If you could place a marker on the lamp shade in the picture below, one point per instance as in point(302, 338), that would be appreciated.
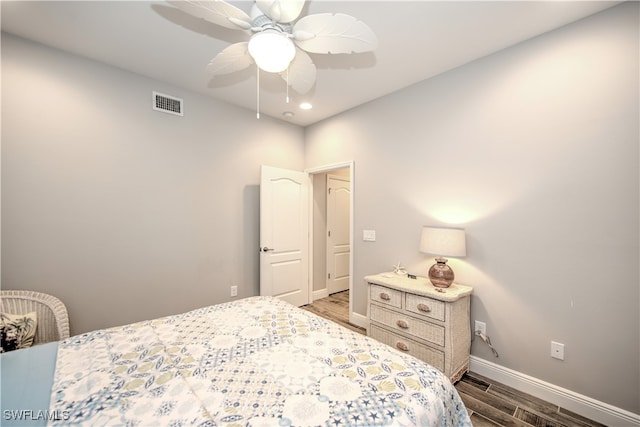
point(272, 50)
point(443, 241)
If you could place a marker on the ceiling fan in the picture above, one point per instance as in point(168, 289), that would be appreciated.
point(280, 41)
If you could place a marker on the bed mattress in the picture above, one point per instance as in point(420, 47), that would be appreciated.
point(258, 361)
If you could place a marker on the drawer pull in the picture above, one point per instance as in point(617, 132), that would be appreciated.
point(402, 324)
point(385, 296)
point(424, 308)
point(402, 346)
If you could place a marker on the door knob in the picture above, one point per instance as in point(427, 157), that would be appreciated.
point(267, 249)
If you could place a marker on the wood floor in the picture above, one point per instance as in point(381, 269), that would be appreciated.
point(489, 403)
point(336, 308)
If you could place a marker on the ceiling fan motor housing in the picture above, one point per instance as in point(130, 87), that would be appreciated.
point(263, 22)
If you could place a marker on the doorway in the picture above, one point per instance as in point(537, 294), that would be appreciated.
point(332, 257)
point(286, 279)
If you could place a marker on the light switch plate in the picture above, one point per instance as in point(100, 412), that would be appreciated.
point(369, 235)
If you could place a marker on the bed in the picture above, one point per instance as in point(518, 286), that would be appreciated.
point(257, 361)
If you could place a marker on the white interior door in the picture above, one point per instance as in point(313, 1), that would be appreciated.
point(338, 233)
point(284, 234)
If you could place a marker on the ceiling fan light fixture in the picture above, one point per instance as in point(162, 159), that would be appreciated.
point(272, 50)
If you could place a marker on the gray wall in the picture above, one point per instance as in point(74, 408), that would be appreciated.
point(123, 212)
point(319, 231)
point(534, 151)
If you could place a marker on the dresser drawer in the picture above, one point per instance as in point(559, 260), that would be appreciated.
point(384, 295)
point(425, 306)
point(433, 357)
point(408, 325)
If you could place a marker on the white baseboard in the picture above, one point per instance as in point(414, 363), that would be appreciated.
point(575, 402)
point(359, 320)
point(322, 293)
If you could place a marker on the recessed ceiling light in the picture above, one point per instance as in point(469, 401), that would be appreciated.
point(306, 106)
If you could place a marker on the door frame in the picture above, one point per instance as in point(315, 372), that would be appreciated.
point(322, 170)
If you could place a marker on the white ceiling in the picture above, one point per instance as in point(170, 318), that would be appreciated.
point(417, 40)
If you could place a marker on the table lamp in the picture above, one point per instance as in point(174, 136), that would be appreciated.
point(442, 242)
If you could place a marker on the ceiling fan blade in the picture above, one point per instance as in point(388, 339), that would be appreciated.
point(302, 73)
point(234, 58)
point(215, 11)
point(333, 33)
point(282, 11)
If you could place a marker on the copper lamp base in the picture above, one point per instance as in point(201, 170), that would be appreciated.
point(440, 274)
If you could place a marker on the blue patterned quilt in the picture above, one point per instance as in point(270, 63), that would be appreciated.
point(253, 362)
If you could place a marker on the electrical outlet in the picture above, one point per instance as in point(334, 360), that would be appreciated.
point(480, 327)
point(234, 291)
point(557, 350)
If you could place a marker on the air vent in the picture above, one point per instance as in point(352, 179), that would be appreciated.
point(167, 104)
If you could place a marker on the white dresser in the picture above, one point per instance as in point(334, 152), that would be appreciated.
point(412, 316)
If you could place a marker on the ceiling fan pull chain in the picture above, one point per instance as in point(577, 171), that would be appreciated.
point(287, 85)
point(257, 92)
